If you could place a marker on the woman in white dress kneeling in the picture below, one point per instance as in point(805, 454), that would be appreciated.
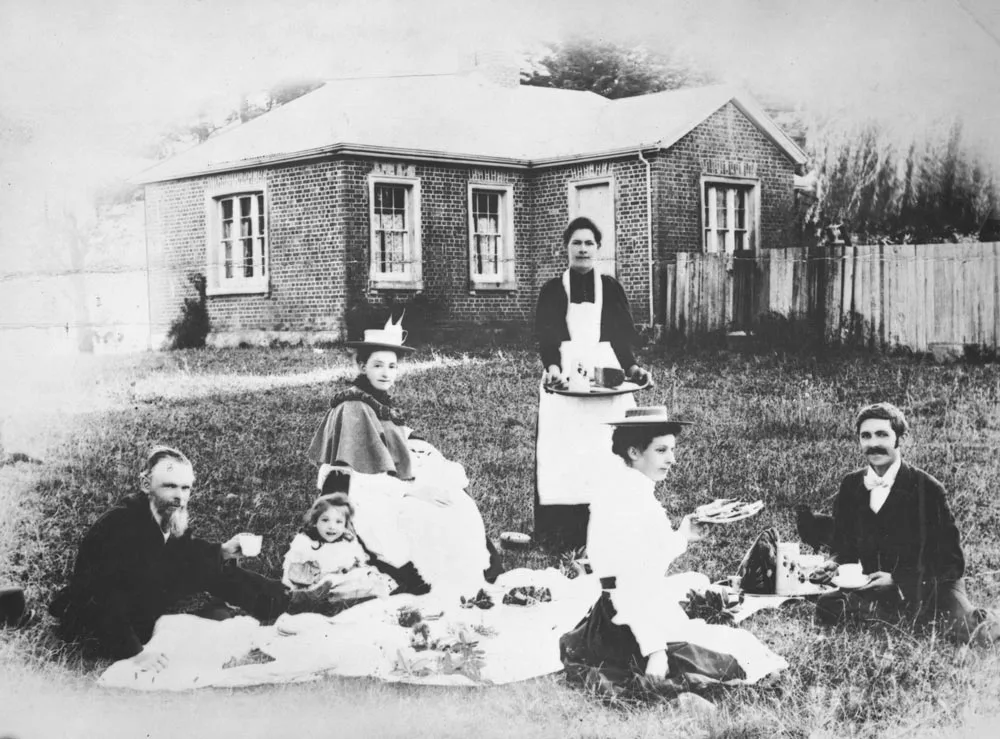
point(412, 513)
point(638, 625)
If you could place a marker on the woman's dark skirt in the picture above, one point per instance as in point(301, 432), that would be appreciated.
point(601, 653)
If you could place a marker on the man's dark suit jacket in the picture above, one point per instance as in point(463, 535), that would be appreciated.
point(913, 536)
point(126, 577)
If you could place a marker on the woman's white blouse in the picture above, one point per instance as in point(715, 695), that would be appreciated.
point(630, 538)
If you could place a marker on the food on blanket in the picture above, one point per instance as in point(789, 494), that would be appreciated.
point(481, 600)
point(420, 638)
point(527, 596)
point(253, 657)
point(759, 567)
point(727, 510)
point(484, 630)
point(304, 573)
point(407, 616)
point(456, 653)
point(717, 605)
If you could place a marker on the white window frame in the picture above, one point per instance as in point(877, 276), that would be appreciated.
point(709, 227)
point(505, 279)
point(216, 281)
point(411, 278)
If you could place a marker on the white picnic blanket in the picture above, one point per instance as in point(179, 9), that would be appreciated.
point(470, 646)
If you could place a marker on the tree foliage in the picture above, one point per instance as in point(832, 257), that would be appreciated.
point(934, 188)
point(611, 70)
point(190, 133)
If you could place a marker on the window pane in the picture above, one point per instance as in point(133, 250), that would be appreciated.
point(245, 206)
point(228, 251)
point(487, 232)
point(389, 221)
point(248, 257)
point(227, 208)
point(720, 209)
point(740, 241)
point(260, 246)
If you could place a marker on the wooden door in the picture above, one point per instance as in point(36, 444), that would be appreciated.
point(595, 199)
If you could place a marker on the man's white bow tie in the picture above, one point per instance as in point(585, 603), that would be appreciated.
point(879, 487)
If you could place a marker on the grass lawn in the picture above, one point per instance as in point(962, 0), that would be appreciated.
point(773, 427)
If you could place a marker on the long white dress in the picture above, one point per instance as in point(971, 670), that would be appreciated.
point(398, 523)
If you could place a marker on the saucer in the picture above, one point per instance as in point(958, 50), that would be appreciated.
point(845, 583)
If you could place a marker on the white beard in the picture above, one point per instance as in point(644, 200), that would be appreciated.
point(177, 524)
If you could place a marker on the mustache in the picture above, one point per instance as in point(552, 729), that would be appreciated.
point(876, 450)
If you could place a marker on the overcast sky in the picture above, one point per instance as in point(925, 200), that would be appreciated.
point(84, 81)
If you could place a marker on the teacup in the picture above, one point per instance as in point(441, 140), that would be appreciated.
point(851, 572)
point(609, 377)
point(578, 383)
point(250, 544)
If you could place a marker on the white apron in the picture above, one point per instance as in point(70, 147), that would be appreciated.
point(573, 439)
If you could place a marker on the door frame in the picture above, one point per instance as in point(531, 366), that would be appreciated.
point(572, 186)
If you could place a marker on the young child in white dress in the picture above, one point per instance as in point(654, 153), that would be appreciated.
point(328, 550)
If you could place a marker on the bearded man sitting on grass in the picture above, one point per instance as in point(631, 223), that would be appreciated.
point(894, 519)
point(139, 560)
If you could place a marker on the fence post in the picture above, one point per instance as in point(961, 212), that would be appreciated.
point(682, 292)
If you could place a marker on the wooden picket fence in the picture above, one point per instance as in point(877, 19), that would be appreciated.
point(887, 296)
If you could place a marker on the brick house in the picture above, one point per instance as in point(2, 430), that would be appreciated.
point(456, 188)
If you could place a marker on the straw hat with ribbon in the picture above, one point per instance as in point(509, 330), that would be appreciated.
point(653, 415)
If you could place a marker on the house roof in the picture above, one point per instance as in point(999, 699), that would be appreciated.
point(462, 118)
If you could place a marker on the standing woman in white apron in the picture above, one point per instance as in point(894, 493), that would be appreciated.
point(582, 320)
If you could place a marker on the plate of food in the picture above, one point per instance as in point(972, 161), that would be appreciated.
point(598, 391)
point(727, 510)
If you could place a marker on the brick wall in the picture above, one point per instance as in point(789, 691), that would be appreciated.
point(444, 239)
point(319, 230)
point(306, 250)
point(551, 214)
point(727, 135)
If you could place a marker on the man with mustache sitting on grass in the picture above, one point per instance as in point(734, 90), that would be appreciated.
point(139, 559)
point(894, 519)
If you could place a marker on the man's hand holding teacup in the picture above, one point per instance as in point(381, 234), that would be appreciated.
point(879, 581)
point(232, 549)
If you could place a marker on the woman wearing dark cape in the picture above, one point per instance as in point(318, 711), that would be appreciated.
point(411, 509)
